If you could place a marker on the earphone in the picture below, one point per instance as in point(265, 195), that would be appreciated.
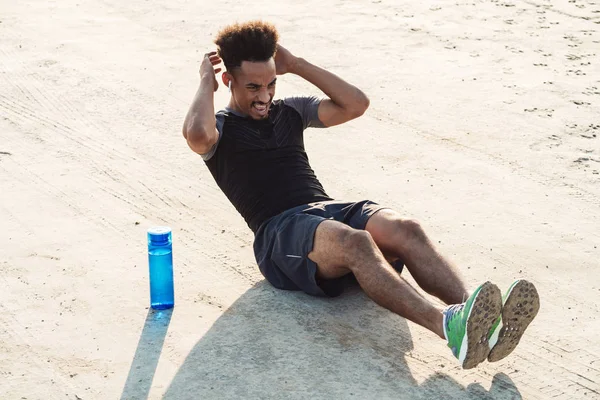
point(229, 86)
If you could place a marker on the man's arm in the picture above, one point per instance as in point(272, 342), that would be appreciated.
point(345, 101)
point(200, 125)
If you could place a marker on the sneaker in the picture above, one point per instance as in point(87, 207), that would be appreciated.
point(467, 325)
point(520, 305)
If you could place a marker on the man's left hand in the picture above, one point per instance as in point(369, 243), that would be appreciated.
point(284, 60)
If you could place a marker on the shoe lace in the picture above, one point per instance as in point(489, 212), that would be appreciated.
point(451, 311)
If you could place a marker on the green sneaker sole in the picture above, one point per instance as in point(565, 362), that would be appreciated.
point(486, 308)
point(520, 308)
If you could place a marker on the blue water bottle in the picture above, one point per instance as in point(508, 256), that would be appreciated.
point(160, 259)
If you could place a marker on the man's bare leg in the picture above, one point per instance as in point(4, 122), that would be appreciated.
point(405, 239)
point(339, 250)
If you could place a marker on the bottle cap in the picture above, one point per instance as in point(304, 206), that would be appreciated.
point(159, 235)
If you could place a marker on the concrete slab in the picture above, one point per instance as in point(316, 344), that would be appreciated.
point(484, 125)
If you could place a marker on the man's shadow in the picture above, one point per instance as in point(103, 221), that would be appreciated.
point(272, 345)
point(441, 386)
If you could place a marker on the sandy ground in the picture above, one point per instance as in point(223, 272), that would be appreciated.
point(484, 125)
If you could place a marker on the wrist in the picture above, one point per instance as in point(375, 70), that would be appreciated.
point(296, 66)
point(207, 83)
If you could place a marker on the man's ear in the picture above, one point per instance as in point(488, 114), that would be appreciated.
point(226, 77)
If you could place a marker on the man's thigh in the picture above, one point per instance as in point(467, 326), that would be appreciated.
point(296, 252)
point(330, 249)
point(338, 247)
point(309, 250)
point(380, 221)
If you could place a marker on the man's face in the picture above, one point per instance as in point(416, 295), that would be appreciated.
point(253, 87)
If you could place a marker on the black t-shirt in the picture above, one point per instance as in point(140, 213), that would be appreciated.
point(261, 165)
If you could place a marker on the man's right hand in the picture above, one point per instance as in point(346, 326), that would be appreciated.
point(207, 68)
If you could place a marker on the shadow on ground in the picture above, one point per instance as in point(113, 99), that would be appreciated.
point(147, 354)
point(274, 345)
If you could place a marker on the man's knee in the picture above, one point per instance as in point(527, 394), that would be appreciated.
point(407, 231)
point(360, 250)
point(338, 239)
point(356, 241)
point(338, 248)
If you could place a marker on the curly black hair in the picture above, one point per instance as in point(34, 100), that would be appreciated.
point(248, 41)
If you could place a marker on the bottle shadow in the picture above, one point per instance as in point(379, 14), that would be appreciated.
point(147, 354)
point(271, 345)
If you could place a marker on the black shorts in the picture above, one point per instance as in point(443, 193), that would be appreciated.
point(283, 242)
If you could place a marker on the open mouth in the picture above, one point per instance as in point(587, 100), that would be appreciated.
point(261, 108)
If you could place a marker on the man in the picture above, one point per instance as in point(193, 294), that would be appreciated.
point(304, 240)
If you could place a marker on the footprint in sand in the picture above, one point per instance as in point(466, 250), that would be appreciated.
point(541, 112)
point(549, 142)
point(587, 160)
point(575, 42)
point(543, 53)
point(590, 131)
point(581, 103)
point(592, 90)
point(513, 49)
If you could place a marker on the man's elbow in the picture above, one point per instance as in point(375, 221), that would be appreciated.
point(198, 140)
point(361, 106)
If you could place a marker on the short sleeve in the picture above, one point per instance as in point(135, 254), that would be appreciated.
point(220, 121)
point(308, 108)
